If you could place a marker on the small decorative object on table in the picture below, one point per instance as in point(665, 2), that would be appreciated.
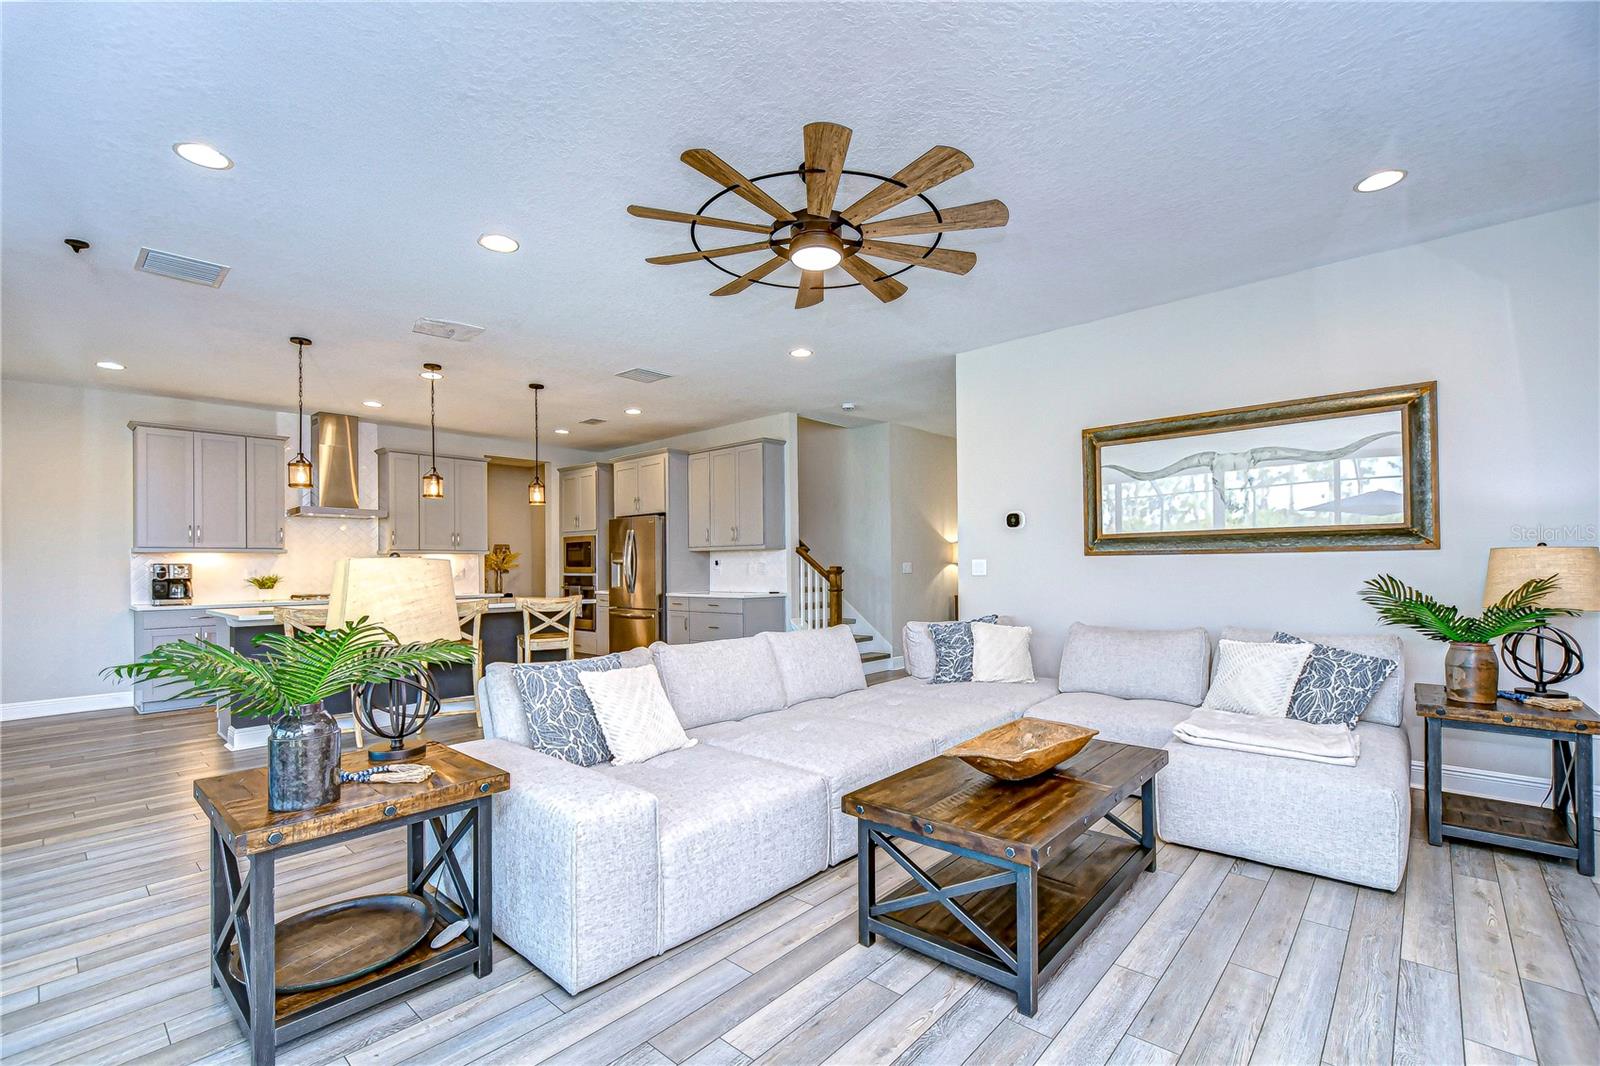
point(288, 685)
point(500, 561)
point(395, 709)
point(394, 773)
point(1023, 749)
point(1470, 673)
point(264, 584)
point(1544, 655)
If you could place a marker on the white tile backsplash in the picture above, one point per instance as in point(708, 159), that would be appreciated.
point(750, 571)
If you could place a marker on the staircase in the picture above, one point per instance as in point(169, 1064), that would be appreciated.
point(820, 595)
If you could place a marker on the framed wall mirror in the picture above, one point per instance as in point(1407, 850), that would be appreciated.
point(1356, 471)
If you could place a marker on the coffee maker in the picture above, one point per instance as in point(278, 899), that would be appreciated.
point(171, 583)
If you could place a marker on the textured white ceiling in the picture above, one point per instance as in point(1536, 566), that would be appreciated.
point(1147, 153)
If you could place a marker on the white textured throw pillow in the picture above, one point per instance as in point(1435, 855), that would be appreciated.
point(1256, 679)
point(1001, 653)
point(634, 714)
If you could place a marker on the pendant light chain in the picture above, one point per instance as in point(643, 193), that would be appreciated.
point(433, 430)
point(300, 466)
point(300, 411)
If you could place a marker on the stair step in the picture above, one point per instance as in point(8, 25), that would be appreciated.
point(862, 638)
point(874, 656)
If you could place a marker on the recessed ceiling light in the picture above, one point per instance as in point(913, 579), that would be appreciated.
point(106, 364)
point(562, 432)
point(498, 242)
point(1380, 181)
point(371, 403)
point(431, 371)
point(632, 411)
point(202, 155)
point(800, 353)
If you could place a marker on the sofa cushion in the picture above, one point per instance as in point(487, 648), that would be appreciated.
point(848, 754)
point(500, 701)
point(560, 716)
point(1385, 706)
point(816, 663)
point(1337, 685)
point(1147, 723)
point(1256, 679)
point(719, 680)
point(917, 647)
point(1137, 664)
point(632, 707)
point(732, 831)
point(1002, 653)
point(945, 714)
point(952, 649)
point(1346, 822)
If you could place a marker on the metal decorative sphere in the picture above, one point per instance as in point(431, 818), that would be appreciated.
point(396, 710)
point(1542, 656)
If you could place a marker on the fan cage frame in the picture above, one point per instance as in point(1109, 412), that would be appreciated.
point(801, 172)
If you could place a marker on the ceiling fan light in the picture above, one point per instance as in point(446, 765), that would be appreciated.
point(816, 250)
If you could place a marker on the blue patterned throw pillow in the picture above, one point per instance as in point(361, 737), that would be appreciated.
point(1336, 685)
point(561, 720)
point(952, 649)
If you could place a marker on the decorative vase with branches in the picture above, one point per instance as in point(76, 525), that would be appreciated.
point(500, 561)
point(288, 685)
point(1471, 675)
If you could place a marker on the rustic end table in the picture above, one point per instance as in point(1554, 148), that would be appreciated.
point(242, 905)
point(1564, 830)
point(1033, 878)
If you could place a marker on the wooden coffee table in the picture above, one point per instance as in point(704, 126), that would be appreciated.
point(242, 911)
point(1035, 879)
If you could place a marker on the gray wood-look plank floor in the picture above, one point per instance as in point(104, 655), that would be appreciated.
point(1483, 956)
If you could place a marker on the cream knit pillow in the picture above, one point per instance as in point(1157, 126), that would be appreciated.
point(634, 714)
point(1255, 679)
point(1001, 653)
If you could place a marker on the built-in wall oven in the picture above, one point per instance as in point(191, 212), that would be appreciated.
point(578, 576)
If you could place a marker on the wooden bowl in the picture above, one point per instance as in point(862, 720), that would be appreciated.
point(1022, 749)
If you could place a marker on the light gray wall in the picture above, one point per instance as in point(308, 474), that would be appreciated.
point(844, 512)
point(66, 521)
point(512, 521)
point(1504, 318)
point(922, 526)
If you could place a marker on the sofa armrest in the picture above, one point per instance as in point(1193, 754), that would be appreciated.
point(575, 866)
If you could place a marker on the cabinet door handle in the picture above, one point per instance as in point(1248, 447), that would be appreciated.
point(391, 536)
point(190, 533)
point(708, 534)
point(197, 534)
point(280, 534)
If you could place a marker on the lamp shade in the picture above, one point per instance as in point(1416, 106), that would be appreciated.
point(1577, 572)
point(413, 597)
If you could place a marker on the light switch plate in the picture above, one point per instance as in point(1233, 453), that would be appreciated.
point(980, 567)
point(905, 568)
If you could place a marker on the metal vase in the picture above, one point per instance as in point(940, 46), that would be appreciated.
point(1471, 674)
point(303, 760)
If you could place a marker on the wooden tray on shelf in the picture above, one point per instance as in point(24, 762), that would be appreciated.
point(342, 941)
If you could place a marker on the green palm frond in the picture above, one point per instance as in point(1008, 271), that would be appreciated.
point(1398, 604)
point(295, 671)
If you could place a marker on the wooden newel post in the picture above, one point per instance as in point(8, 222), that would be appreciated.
point(835, 595)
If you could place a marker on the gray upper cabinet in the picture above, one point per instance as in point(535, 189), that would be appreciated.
point(472, 504)
point(736, 497)
point(639, 485)
point(459, 522)
point(198, 491)
point(580, 499)
point(400, 495)
point(264, 488)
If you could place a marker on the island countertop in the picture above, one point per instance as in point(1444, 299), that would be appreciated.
point(261, 614)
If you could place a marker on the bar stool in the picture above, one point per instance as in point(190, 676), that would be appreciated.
point(548, 624)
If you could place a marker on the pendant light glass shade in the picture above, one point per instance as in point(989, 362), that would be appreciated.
point(432, 481)
point(536, 486)
point(300, 466)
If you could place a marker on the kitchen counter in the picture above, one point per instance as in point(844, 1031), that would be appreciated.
point(729, 595)
point(260, 614)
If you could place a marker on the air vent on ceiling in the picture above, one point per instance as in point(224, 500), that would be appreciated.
point(591, 422)
point(180, 267)
point(450, 331)
point(639, 373)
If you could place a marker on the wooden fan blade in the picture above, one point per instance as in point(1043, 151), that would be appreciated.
point(705, 220)
point(709, 253)
point(946, 259)
point(967, 216)
point(743, 282)
point(706, 162)
point(810, 293)
point(826, 145)
point(940, 163)
point(872, 280)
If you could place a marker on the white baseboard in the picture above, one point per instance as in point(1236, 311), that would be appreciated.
point(95, 701)
point(884, 666)
point(1492, 784)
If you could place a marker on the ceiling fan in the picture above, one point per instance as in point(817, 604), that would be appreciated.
point(816, 237)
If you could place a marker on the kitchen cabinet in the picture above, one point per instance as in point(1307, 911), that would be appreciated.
point(699, 617)
point(736, 497)
point(167, 626)
point(264, 485)
point(400, 496)
point(459, 521)
point(196, 490)
point(585, 497)
point(639, 485)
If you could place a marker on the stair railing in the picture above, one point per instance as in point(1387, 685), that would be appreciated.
point(821, 591)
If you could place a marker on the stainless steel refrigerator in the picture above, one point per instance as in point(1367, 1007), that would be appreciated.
point(638, 547)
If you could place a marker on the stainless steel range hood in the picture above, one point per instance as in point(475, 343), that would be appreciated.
point(335, 470)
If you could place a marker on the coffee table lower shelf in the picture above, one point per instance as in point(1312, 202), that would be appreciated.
point(966, 911)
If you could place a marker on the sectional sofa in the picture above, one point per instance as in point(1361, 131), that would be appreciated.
point(598, 868)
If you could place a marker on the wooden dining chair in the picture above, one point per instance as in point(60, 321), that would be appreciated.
point(548, 624)
point(470, 613)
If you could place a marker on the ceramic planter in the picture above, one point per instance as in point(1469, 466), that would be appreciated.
point(1471, 674)
point(303, 760)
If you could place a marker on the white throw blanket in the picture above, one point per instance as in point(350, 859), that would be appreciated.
point(1288, 738)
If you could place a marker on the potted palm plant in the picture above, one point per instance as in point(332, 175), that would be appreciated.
point(288, 686)
point(1470, 673)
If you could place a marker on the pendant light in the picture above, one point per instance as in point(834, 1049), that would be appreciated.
point(300, 466)
point(536, 486)
point(432, 481)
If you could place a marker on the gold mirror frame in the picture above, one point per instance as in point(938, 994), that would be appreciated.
point(1418, 529)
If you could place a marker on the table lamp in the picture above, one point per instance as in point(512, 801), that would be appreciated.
point(1544, 655)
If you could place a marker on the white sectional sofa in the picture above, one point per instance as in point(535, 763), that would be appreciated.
point(598, 868)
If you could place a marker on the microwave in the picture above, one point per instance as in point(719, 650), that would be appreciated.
point(578, 555)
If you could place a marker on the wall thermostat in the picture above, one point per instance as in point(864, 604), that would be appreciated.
point(1016, 520)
